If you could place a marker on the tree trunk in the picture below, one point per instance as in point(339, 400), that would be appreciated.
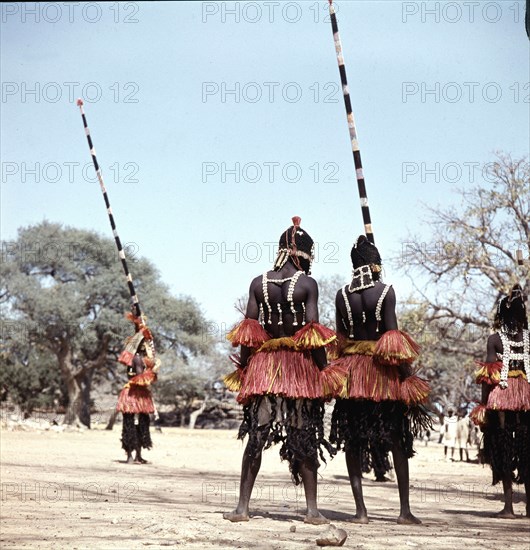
point(112, 419)
point(73, 388)
point(84, 408)
point(74, 402)
point(79, 382)
point(183, 414)
point(195, 414)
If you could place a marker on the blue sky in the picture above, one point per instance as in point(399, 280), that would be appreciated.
point(215, 123)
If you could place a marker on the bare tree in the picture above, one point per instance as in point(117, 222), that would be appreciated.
point(62, 300)
point(469, 261)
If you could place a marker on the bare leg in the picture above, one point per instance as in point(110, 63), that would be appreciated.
point(507, 511)
point(249, 470)
point(401, 465)
point(353, 463)
point(308, 471)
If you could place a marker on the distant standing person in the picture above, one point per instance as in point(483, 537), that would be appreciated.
point(449, 433)
point(504, 414)
point(463, 436)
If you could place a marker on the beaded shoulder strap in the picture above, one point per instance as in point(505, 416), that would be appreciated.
point(264, 282)
point(348, 309)
point(379, 305)
point(290, 291)
point(508, 354)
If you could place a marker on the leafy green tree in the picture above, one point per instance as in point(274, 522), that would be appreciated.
point(29, 376)
point(65, 291)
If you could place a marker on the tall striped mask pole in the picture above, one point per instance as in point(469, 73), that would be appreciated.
point(351, 127)
point(121, 252)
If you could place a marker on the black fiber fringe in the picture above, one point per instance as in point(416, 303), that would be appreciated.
point(507, 445)
point(135, 436)
point(299, 445)
point(370, 429)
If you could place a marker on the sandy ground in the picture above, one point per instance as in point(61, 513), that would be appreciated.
point(73, 490)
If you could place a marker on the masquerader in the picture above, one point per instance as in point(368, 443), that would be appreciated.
point(449, 433)
point(504, 414)
point(378, 400)
point(135, 401)
point(279, 377)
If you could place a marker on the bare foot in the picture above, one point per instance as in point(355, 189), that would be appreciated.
point(408, 519)
point(235, 516)
point(359, 518)
point(130, 460)
point(316, 518)
point(505, 514)
point(140, 460)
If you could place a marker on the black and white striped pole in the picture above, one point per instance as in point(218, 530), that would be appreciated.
point(351, 127)
point(121, 252)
